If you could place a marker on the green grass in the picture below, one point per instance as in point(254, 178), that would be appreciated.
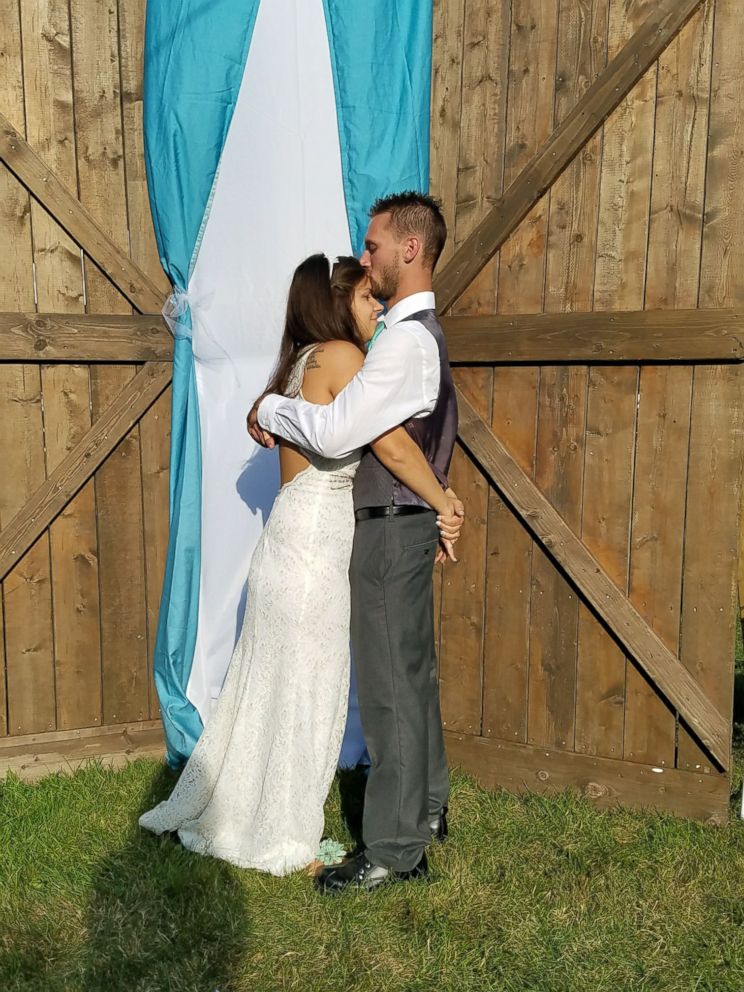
point(530, 894)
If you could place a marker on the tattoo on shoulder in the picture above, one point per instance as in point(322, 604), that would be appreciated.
point(312, 362)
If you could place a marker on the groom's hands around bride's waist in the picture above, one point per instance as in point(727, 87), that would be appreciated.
point(259, 435)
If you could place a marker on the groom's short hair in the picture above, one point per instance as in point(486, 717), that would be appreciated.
point(413, 213)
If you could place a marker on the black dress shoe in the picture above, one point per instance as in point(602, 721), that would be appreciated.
point(359, 873)
point(439, 829)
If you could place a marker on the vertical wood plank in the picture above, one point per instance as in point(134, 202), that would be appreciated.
point(581, 55)
point(707, 636)
point(610, 393)
point(444, 142)
point(100, 157)
point(574, 198)
point(509, 563)
point(676, 212)
point(678, 187)
point(521, 267)
point(155, 425)
point(65, 388)
point(446, 100)
point(480, 166)
point(712, 525)
point(722, 263)
point(15, 261)
point(460, 673)
point(723, 250)
point(479, 179)
point(626, 177)
point(530, 119)
point(529, 123)
point(605, 529)
point(29, 649)
point(554, 609)
point(620, 284)
point(656, 548)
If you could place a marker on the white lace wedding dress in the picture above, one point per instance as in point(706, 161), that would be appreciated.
point(253, 791)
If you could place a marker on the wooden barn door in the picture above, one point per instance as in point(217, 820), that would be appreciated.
point(586, 637)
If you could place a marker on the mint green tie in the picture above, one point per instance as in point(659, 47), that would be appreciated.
point(378, 331)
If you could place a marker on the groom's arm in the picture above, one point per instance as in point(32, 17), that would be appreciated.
point(399, 380)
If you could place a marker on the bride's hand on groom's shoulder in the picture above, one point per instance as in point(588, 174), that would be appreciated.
point(259, 435)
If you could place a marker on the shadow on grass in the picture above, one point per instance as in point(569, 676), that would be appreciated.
point(352, 783)
point(739, 697)
point(161, 917)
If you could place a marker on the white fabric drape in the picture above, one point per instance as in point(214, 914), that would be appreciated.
point(278, 197)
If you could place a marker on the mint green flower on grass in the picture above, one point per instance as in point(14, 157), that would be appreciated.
point(330, 852)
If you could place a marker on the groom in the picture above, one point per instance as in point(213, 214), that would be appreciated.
point(405, 380)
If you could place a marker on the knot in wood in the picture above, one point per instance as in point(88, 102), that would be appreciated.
point(595, 790)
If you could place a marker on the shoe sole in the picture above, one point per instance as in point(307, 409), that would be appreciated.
point(332, 890)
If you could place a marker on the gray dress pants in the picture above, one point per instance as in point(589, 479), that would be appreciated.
point(392, 632)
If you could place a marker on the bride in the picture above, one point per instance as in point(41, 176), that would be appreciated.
point(253, 790)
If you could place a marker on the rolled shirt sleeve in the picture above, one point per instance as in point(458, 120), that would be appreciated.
point(399, 380)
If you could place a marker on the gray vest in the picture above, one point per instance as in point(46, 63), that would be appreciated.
point(435, 434)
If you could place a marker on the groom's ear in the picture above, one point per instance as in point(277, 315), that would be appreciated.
point(411, 248)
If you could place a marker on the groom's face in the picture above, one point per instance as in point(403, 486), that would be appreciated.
point(382, 257)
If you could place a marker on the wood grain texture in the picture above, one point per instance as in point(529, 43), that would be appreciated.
point(102, 179)
point(34, 756)
point(68, 338)
point(676, 222)
point(28, 642)
point(479, 168)
point(65, 388)
point(711, 531)
point(708, 336)
point(665, 18)
point(509, 566)
point(722, 260)
point(574, 197)
point(657, 534)
point(559, 457)
point(446, 103)
point(463, 586)
point(605, 782)
point(77, 221)
point(51, 496)
point(595, 586)
point(627, 163)
point(605, 529)
point(554, 605)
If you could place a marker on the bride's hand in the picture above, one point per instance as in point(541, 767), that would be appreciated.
point(259, 435)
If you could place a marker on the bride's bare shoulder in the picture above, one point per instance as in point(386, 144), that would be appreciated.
point(335, 356)
point(333, 364)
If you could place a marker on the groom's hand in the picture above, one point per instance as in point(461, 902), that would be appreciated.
point(450, 522)
point(259, 435)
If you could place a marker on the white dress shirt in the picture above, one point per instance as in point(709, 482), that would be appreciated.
point(399, 380)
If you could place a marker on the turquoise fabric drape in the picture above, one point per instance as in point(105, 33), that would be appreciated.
point(381, 60)
point(381, 57)
point(195, 54)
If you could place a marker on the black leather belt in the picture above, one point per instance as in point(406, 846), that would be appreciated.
point(368, 512)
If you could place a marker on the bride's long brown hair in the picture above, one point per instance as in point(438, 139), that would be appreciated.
point(318, 310)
